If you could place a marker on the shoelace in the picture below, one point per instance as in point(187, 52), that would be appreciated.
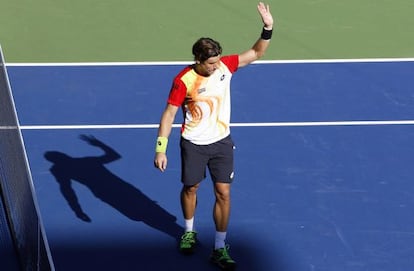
point(224, 253)
point(188, 237)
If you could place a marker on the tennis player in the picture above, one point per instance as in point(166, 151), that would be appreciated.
point(202, 90)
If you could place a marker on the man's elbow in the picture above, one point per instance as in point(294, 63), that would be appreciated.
point(259, 54)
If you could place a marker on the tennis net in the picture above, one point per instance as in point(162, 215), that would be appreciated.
point(16, 187)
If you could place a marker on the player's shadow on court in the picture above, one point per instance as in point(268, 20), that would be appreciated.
point(108, 187)
point(131, 202)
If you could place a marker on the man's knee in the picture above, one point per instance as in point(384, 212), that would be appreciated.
point(190, 189)
point(222, 191)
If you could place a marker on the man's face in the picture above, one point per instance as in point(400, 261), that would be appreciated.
point(207, 67)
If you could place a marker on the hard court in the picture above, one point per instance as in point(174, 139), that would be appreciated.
point(323, 152)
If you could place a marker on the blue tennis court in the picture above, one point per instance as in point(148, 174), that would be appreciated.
point(323, 166)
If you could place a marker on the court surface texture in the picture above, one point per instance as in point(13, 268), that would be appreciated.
point(323, 177)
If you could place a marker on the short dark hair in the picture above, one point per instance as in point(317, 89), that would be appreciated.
point(204, 48)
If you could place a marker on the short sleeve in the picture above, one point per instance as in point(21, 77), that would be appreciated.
point(231, 61)
point(177, 93)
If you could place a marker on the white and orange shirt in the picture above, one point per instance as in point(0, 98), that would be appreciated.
point(205, 101)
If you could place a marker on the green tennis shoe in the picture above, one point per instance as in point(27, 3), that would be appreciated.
point(222, 258)
point(188, 242)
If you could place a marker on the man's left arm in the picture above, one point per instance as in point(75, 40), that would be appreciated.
point(261, 45)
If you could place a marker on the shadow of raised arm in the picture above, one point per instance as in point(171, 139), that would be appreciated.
point(110, 154)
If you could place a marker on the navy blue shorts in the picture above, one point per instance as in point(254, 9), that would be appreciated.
point(217, 157)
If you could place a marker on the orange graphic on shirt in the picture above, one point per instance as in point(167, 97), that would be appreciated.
point(193, 104)
point(195, 97)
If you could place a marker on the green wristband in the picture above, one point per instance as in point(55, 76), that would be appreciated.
point(162, 143)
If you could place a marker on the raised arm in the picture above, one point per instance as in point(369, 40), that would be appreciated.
point(260, 47)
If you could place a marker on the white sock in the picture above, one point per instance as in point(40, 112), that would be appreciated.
point(220, 240)
point(189, 224)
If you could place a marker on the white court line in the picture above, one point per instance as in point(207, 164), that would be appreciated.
point(258, 124)
point(356, 60)
point(9, 127)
